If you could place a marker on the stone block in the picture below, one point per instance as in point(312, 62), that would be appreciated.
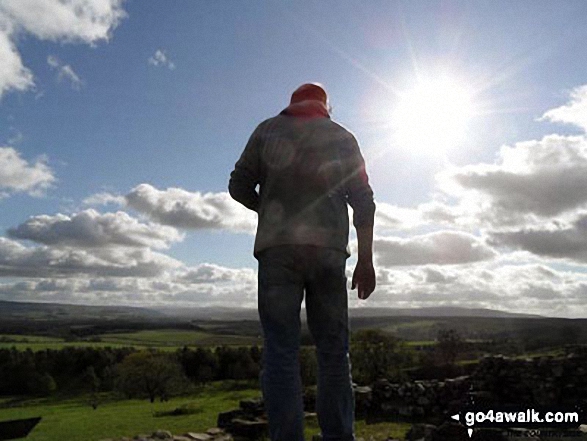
point(198, 436)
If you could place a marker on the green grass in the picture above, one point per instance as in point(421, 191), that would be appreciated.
point(177, 338)
point(75, 420)
point(28, 338)
point(421, 343)
point(164, 339)
point(414, 324)
point(41, 346)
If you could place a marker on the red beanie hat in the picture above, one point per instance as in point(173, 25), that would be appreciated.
point(309, 91)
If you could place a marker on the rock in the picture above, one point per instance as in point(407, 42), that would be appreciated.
point(254, 406)
point(198, 436)
point(363, 399)
point(310, 415)
point(423, 401)
point(451, 431)
point(420, 432)
point(181, 438)
point(215, 431)
point(251, 429)
point(406, 411)
point(162, 434)
point(225, 418)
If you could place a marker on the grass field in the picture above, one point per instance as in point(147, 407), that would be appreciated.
point(75, 420)
point(178, 338)
point(165, 339)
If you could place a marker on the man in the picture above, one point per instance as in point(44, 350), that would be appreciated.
point(308, 168)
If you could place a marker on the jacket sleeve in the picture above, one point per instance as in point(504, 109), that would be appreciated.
point(247, 174)
point(359, 192)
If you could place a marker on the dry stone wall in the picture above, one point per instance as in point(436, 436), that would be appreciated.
point(497, 380)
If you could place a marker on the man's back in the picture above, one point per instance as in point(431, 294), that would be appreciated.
point(307, 169)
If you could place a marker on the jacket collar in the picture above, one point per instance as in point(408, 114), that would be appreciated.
point(307, 109)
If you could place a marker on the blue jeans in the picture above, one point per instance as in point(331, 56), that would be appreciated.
point(285, 272)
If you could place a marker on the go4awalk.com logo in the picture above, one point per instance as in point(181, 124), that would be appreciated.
point(570, 417)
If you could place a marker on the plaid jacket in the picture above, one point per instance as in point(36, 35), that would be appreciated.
point(307, 169)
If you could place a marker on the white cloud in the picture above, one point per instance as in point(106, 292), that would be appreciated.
point(439, 213)
point(205, 285)
point(79, 21)
point(17, 260)
point(575, 112)
point(530, 182)
point(441, 247)
point(90, 229)
point(18, 175)
point(530, 288)
point(192, 210)
point(65, 71)
point(160, 58)
point(210, 273)
point(13, 74)
point(84, 21)
point(88, 243)
point(391, 217)
point(104, 198)
point(559, 241)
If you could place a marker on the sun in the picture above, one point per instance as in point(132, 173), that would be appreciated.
point(433, 116)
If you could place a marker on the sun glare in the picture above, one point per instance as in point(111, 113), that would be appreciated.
point(433, 116)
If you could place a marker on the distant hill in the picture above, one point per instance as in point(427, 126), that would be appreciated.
point(47, 311)
point(421, 324)
point(227, 313)
point(438, 311)
point(62, 311)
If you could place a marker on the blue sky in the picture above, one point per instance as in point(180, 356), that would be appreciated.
point(120, 124)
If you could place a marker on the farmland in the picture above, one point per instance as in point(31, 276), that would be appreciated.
point(163, 339)
point(68, 358)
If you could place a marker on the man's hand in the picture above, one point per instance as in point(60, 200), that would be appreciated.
point(364, 278)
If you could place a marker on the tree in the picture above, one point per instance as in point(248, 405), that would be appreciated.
point(41, 384)
point(377, 354)
point(308, 365)
point(150, 374)
point(200, 366)
point(93, 384)
point(448, 346)
point(236, 364)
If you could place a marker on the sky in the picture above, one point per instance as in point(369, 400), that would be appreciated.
point(120, 122)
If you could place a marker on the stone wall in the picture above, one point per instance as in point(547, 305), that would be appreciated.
point(541, 381)
point(497, 380)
